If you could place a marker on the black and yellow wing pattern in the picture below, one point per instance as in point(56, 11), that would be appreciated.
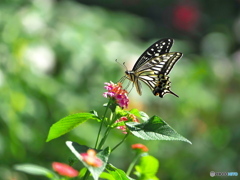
point(153, 67)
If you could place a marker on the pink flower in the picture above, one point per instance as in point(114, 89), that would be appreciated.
point(64, 169)
point(91, 159)
point(116, 92)
point(140, 147)
point(129, 118)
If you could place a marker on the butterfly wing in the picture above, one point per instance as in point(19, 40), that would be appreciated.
point(158, 48)
point(153, 66)
point(154, 73)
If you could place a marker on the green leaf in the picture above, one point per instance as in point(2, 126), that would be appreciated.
point(121, 112)
point(94, 113)
point(147, 168)
point(34, 170)
point(117, 173)
point(82, 172)
point(107, 176)
point(144, 116)
point(68, 123)
point(121, 123)
point(77, 149)
point(155, 129)
point(135, 112)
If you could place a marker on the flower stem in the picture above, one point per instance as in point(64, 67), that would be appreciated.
point(104, 138)
point(106, 132)
point(133, 163)
point(100, 128)
point(125, 137)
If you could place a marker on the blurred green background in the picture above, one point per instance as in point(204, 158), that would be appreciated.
point(56, 55)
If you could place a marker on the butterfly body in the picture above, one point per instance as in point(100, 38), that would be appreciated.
point(153, 67)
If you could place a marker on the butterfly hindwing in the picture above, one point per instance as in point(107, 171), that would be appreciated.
point(155, 75)
point(163, 86)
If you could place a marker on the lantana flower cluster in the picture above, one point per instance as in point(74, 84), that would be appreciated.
point(140, 147)
point(129, 118)
point(116, 92)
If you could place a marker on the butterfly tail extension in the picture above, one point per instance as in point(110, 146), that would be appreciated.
point(173, 93)
point(159, 92)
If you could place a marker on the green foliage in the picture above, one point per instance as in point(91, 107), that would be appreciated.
point(66, 124)
point(95, 159)
point(116, 173)
point(155, 129)
point(35, 170)
point(147, 168)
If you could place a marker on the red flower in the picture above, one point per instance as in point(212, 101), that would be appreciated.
point(64, 169)
point(91, 159)
point(186, 17)
point(116, 92)
point(140, 147)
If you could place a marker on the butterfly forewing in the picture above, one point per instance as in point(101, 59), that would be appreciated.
point(158, 48)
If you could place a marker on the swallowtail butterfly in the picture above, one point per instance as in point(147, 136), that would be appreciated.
point(153, 67)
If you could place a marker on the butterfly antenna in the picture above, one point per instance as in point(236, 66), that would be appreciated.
point(118, 62)
point(123, 64)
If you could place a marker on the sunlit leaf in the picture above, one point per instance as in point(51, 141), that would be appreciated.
point(147, 168)
point(135, 112)
point(117, 173)
point(68, 123)
point(34, 170)
point(144, 116)
point(120, 112)
point(154, 129)
point(107, 176)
